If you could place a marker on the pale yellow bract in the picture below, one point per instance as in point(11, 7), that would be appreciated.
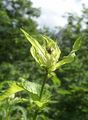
point(48, 55)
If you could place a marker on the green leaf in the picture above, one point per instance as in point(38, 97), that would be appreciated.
point(75, 88)
point(37, 57)
point(31, 87)
point(31, 40)
point(67, 59)
point(14, 88)
point(37, 51)
point(44, 100)
point(63, 92)
point(77, 45)
point(54, 78)
point(40, 103)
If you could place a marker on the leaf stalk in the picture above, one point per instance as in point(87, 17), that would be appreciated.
point(41, 93)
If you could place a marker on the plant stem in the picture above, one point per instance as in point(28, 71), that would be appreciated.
point(43, 84)
point(41, 91)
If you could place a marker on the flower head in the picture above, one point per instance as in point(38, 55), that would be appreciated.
point(47, 54)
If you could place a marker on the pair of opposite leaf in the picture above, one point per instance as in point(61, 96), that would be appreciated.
point(48, 54)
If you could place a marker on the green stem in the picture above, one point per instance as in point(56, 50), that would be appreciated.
point(41, 91)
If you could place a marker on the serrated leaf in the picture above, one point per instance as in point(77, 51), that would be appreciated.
point(14, 88)
point(31, 87)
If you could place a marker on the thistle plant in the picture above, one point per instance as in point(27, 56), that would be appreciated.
point(47, 56)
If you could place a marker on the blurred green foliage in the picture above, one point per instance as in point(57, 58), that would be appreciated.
point(14, 55)
point(70, 100)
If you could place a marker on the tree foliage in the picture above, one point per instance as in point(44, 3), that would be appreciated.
point(14, 60)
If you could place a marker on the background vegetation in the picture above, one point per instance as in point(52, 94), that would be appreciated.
point(70, 99)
